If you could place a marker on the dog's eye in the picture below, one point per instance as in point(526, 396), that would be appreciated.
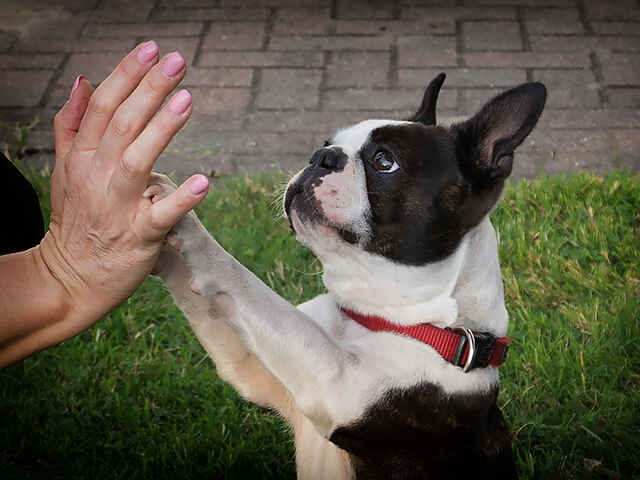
point(382, 162)
point(327, 143)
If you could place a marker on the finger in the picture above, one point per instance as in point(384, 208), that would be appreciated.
point(112, 92)
point(137, 160)
point(67, 120)
point(165, 213)
point(132, 116)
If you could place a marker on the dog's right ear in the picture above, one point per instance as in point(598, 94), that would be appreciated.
point(485, 142)
point(426, 114)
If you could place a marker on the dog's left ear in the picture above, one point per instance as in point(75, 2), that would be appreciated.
point(426, 114)
point(486, 141)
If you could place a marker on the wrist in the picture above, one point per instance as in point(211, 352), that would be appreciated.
point(35, 308)
point(53, 288)
point(67, 286)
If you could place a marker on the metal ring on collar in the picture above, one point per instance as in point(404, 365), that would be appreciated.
point(471, 340)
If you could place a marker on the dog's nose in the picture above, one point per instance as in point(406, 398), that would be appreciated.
point(328, 158)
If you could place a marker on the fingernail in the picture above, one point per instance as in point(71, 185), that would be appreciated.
point(147, 51)
point(199, 184)
point(75, 85)
point(180, 102)
point(172, 64)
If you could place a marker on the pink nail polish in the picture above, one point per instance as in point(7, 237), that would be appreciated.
point(180, 102)
point(199, 184)
point(147, 51)
point(172, 64)
point(75, 85)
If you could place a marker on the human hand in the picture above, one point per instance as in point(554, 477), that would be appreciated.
point(104, 236)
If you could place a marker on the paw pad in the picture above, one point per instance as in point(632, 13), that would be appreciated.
point(195, 288)
point(154, 192)
point(175, 241)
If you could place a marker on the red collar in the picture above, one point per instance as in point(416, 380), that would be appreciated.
point(452, 345)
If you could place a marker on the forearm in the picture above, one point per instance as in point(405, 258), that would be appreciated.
point(35, 310)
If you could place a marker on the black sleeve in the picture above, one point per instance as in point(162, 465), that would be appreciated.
point(22, 223)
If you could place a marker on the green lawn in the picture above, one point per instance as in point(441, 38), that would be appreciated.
point(135, 397)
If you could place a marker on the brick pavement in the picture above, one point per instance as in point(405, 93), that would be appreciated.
point(272, 78)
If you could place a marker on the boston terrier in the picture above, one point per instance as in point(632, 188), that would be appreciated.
point(393, 373)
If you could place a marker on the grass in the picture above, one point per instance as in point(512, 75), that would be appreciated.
point(136, 397)
point(15, 138)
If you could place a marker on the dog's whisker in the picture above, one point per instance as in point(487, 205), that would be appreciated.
point(275, 205)
point(315, 261)
point(309, 274)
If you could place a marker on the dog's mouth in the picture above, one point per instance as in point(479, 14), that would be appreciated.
point(293, 190)
point(302, 208)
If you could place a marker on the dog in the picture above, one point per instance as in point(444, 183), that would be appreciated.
point(392, 374)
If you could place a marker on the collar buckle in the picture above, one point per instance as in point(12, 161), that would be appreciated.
point(481, 346)
point(470, 339)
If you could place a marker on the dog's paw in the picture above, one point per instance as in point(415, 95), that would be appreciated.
point(159, 187)
point(188, 239)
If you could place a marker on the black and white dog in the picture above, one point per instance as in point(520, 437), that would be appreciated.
point(392, 373)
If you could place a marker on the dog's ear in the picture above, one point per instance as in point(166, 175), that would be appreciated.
point(486, 142)
point(426, 114)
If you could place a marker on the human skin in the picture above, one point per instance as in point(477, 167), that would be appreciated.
point(104, 236)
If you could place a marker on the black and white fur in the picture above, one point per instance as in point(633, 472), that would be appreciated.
point(397, 213)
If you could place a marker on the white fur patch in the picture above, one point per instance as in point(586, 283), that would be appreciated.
point(352, 139)
point(343, 199)
point(465, 285)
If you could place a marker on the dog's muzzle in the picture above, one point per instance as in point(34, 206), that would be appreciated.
point(292, 191)
point(323, 161)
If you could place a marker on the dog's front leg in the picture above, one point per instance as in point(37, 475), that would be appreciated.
point(234, 363)
point(286, 341)
point(236, 315)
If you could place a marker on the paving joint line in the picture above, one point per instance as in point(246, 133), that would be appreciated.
point(460, 63)
point(333, 10)
point(269, 27)
point(396, 13)
point(256, 83)
point(324, 79)
point(584, 19)
point(206, 28)
point(524, 33)
point(51, 85)
point(53, 81)
point(460, 48)
point(596, 68)
point(13, 43)
point(392, 73)
point(156, 6)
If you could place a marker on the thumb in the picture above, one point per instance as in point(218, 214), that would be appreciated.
point(67, 120)
point(166, 212)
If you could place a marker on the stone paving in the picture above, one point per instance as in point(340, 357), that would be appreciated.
point(271, 79)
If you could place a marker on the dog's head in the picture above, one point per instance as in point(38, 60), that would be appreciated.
point(410, 190)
